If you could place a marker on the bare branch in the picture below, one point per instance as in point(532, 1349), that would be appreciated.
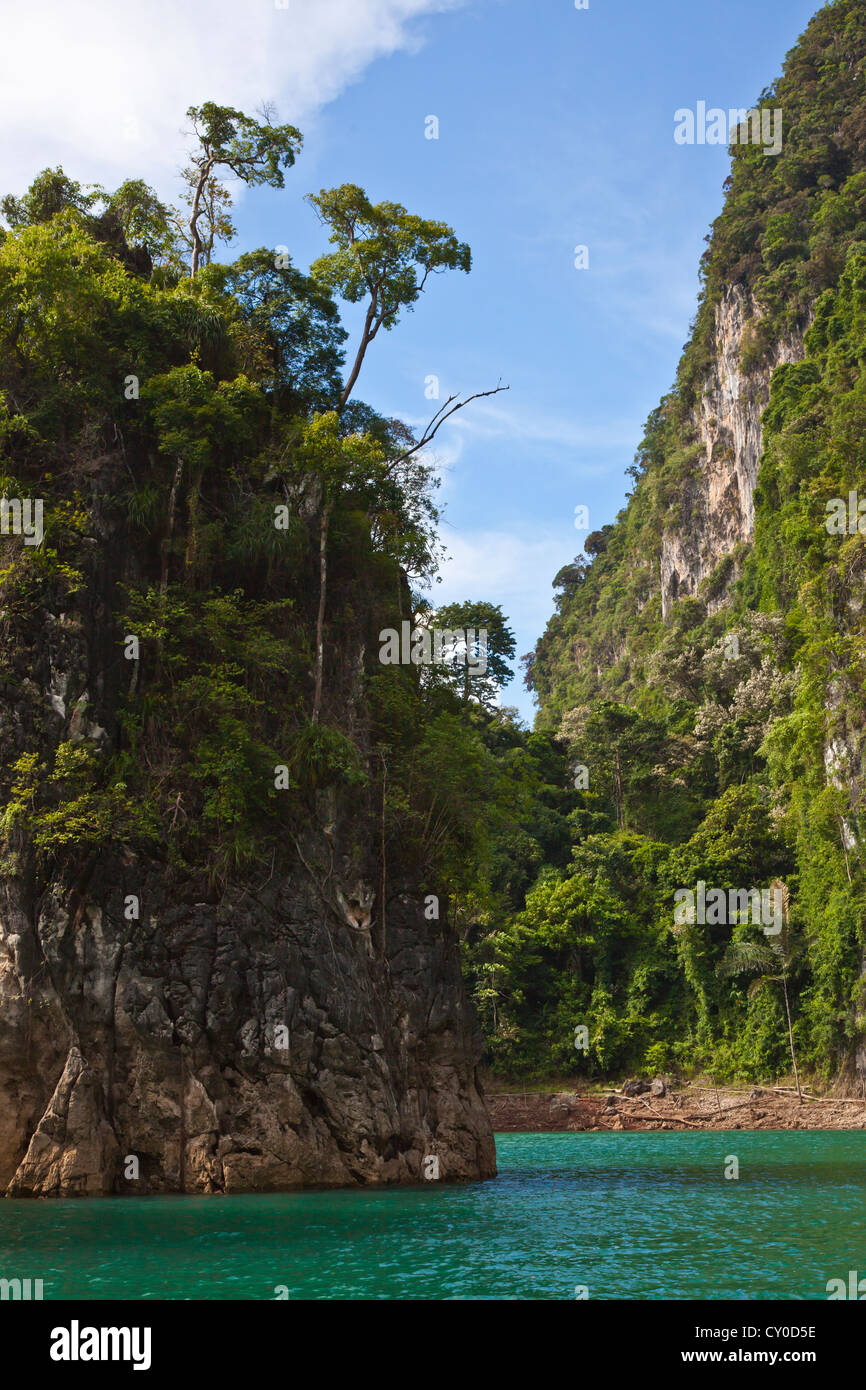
point(445, 411)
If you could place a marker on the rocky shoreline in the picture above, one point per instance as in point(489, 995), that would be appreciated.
point(682, 1107)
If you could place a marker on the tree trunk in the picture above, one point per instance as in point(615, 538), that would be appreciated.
point(192, 539)
point(195, 213)
point(791, 1036)
point(172, 506)
point(320, 619)
point(196, 239)
point(366, 339)
point(844, 849)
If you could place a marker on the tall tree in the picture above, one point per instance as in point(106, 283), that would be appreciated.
point(478, 669)
point(256, 152)
point(337, 461)
point(383, 255)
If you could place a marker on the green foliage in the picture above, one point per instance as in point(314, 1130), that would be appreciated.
point(383, 255)
point(382, 251)
point(70, 810)
point(199, 421)
point(285, 327)
point(479, 670)
point(256, 152)
point(190, 436)
point(49, 194)
point(324, 756)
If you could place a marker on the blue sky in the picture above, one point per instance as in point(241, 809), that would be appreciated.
point(555, 129)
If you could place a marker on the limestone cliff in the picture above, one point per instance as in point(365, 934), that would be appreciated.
point(707, 653)
point(226, 963)
point(261, 1034)
point(244, 1045)
point(247, 1039)
point(718, 499)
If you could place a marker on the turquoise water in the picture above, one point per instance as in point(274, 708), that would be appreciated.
point(626, 1215)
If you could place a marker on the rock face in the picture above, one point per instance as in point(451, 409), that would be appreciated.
point(250, 1044)
point(302, 1023)
point(158, 1034)
point(718, 504)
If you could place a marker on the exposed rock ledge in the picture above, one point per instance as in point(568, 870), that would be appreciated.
point(156, 1041)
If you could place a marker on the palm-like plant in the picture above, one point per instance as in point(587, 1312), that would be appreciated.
point(769, 962)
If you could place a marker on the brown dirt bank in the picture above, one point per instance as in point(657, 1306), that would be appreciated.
point(687, 1107)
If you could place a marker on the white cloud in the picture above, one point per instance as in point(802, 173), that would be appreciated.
point(101, 86)
point(514, 568)
point(485, 421)
point(489, 421)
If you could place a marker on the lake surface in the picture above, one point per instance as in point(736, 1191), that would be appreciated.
point(643, 1216)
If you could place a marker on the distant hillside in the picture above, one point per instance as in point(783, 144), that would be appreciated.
point(707, 659)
